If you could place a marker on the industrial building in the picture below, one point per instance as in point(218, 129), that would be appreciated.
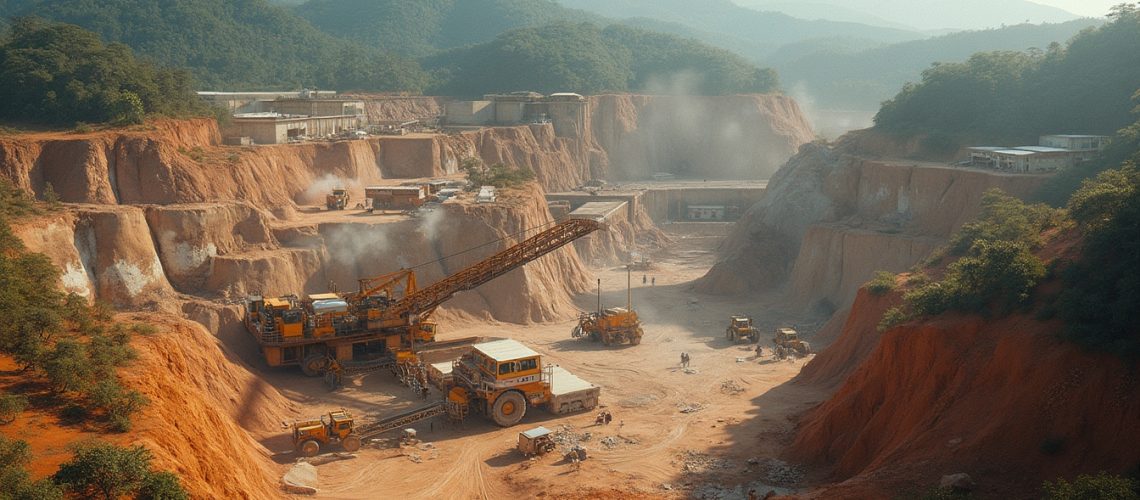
point(280, 117)
point(565, 111)
point(1054, 152)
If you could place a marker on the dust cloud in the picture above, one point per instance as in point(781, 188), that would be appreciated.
point(315, 194)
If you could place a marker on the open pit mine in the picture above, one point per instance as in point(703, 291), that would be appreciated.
point(671, 307)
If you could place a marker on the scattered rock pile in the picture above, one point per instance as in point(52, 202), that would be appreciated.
point(695, 462)
point(731, 387)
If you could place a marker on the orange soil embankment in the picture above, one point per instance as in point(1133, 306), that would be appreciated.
point(204, 405)
point(963, 394)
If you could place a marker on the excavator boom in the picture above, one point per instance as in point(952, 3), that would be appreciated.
point(427, 299)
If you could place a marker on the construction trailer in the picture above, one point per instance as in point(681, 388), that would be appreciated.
point(396, 197)
point(501, 378)
point(388, 318)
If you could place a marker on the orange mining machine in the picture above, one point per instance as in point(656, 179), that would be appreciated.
point(388, 319)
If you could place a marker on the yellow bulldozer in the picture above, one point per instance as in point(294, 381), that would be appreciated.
point(788, 342)
point(740, 328)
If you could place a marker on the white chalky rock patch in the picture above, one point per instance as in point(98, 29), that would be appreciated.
point(134, 278)
point(75, 281)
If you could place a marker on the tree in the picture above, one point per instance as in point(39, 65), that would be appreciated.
point(162, 486)
point(68, 366)
point(11, 405)
point(105, 471)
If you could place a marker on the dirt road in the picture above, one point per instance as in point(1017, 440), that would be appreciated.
point(673, 430)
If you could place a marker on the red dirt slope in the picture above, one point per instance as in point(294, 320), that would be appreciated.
point(963, 394)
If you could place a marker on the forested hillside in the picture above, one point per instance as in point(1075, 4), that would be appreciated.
point(417, 28)
point(748, 32)
point(1012, 97)
point(850, 74)
point(60, 74)
point(587, 59)
point(234, 44)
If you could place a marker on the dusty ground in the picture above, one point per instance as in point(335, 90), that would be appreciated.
point(654, 448)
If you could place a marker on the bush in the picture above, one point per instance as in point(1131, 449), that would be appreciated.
point(1005, 218)
point(893, 317)
point(162, 486)
point(498, 175)
point(14, 455)
point(102, 470)
point(68, 366)
point(50, 196)
point(11, 406)
point(1102, 486)
point(119, 404)
point(882, 283)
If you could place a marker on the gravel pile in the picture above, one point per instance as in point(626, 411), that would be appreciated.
point(730, 387)
point(697, 462)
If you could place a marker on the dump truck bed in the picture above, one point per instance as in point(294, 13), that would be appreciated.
point(570, 393)
point(439, 374)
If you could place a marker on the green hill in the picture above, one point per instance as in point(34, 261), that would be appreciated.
point(847, 74)
point(236, 44)
point(751, 33)
point(587, 59)
point(1012, 97)
point(417, 28)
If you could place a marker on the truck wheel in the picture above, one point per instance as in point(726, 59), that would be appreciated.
point(314, 364)
point(509, 409)
point(309, 448)
point(351, 443)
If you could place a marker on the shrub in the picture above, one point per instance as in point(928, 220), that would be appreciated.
point(68, 366)
point(50, 196)
point(162, 486)
point(893, 317)
point(498, 175)
point(119, 404)
point(1005, 218)
point(882, 283)
point(11, 405)
point(1102, 486)
point(104, 470)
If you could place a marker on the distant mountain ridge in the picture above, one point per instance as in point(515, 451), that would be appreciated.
point(921, 14)
point(713, 21)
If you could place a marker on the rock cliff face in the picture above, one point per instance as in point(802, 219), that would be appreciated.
point(919, 401)
point(829, 220)
point(725, 137)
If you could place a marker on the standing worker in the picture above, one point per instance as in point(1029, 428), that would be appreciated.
point(654, 281)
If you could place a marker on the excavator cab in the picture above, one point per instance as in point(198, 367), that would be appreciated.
point(284, 317)
point(336, 427)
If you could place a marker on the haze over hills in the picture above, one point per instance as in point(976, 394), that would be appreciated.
point(833, 75)
point(920, 14)
point(417, 28)
point(719, 21)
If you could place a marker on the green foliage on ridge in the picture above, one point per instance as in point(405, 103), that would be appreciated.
point(61, 74)
point(587, 59)
point(1010, 97)
point(233, 44)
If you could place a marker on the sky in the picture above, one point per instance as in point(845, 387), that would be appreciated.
point(1093, 8)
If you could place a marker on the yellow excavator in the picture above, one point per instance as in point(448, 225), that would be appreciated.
point(389, 318)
